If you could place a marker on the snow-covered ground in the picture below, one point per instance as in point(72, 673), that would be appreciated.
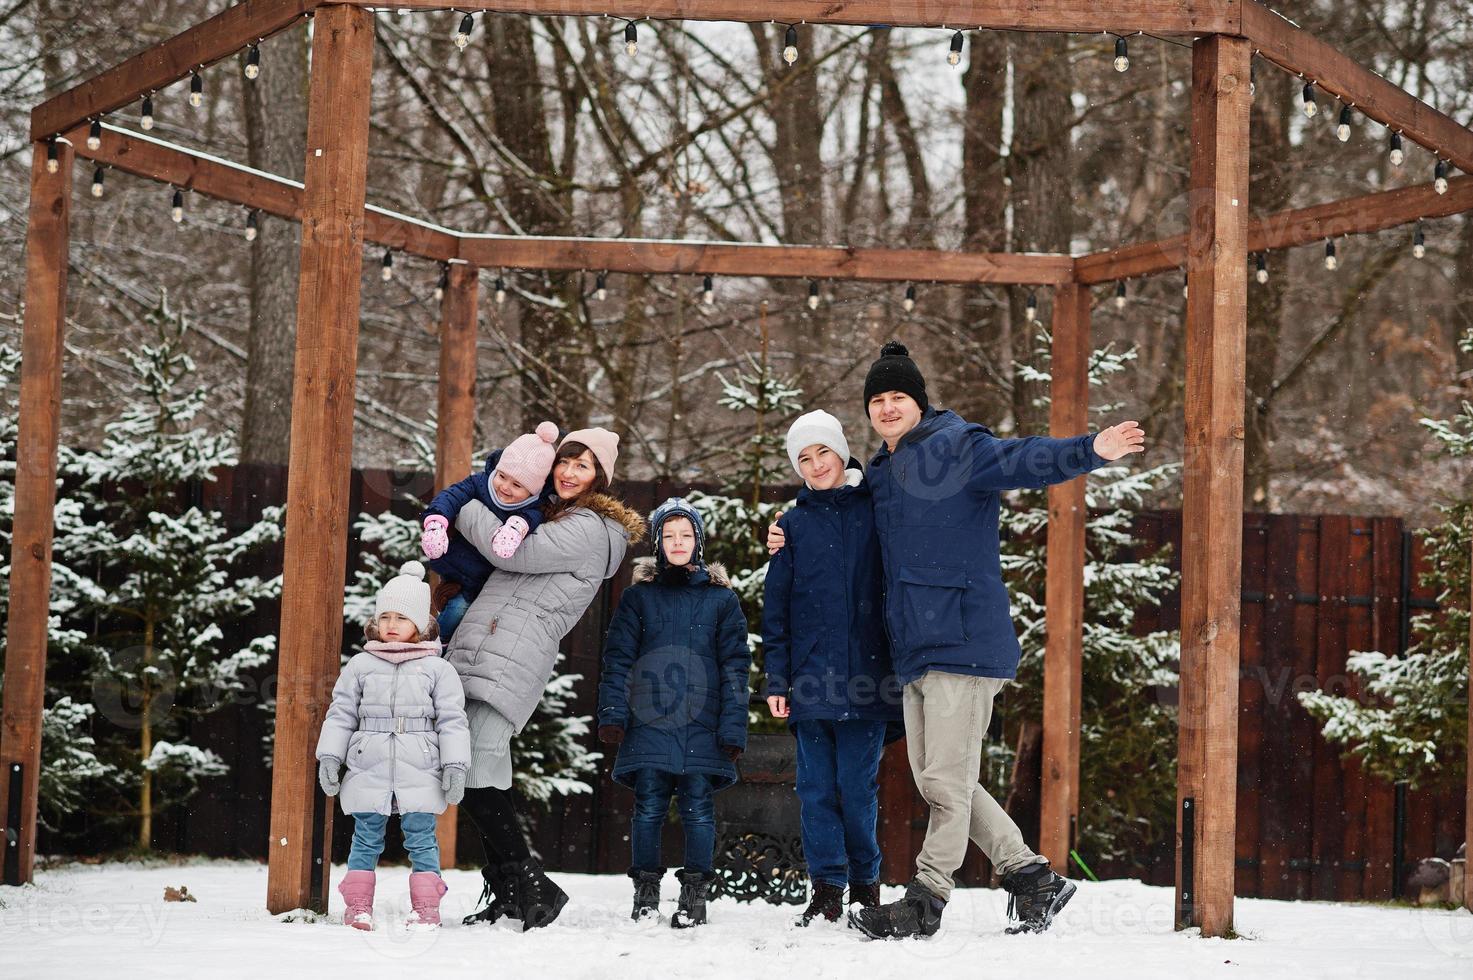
point(111, 921)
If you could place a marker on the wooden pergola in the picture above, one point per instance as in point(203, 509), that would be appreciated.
point(337, 222)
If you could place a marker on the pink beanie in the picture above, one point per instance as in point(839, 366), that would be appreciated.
point(605, 446)
point(528, 459)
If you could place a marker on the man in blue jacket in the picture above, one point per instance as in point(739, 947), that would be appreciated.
point(936, 484)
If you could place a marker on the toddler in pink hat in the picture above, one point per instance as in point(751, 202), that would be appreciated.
point(514, 486)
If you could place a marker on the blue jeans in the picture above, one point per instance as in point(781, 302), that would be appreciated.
point(419, 841)
point(839, 789)
point(452, 614)
point(652, 792)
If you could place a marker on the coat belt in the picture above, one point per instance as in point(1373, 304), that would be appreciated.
point(397, 724)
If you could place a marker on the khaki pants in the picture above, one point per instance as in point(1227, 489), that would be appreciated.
point(946, 719)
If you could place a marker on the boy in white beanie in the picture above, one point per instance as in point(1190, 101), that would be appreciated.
point(398, 721)
point(828, 667)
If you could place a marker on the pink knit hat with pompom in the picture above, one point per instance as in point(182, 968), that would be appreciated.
point(528, 459)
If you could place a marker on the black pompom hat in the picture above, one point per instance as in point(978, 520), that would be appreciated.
point(895, 371)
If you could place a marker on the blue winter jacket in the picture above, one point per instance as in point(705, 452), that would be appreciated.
point(824, 645)
point(674, 674)
point(937, 500)
point(461, 562)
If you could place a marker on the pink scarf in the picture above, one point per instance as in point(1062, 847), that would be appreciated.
point(397, 653)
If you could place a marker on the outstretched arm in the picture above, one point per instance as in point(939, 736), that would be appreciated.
point(1039, 461)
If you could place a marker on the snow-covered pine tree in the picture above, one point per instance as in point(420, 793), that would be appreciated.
point(70, 768)
point(1411, 723)
point(1127, 741)
point(169, 577)
point(550, 753)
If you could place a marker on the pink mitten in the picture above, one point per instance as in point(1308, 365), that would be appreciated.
point(506, 541)
point(433, 538)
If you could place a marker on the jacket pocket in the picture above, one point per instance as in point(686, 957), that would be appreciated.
point(931, 606)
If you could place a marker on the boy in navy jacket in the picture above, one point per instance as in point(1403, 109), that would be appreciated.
point(827, 661)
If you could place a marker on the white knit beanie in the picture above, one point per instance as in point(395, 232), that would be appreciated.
point(816, 428)
point(408, 594)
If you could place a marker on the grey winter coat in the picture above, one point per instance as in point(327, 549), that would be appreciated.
point(397, 718)
point(507, 644)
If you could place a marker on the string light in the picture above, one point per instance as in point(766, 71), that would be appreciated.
point(1398, 155)
point(1186, 285)
point(253, 225)
point(790, 45)
point(196, 90)
point(1122, 55)
point(53, 160)
point(1342, 129)
point(1419, 242)
point(387, 272)
point(631, 39)
point(813, 295)
point(1262, 271)
point(94, 135)
point(253, 62)
point(97, 182)
point(708, 291)
point(909, 303)
point(500, 291)
point(1030, 308)
point(442, 282)
point(1310, 105)
point(1120, 295)
point(954, 56)
point(146, 119)
point(1252, 79)
point(1439, 177)
point(601, 287)
point(463, 32)
point(176, 207)
point(1331, 262)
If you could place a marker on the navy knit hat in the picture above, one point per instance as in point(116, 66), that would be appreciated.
point(895, 371)
point(676, 507)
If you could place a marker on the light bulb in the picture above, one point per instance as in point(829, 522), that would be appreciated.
point(631, 39)
point(387, 271)
point(1439, 179)
point(601, 287)
point(1310, 105)
point(253, 62)
point(500, 291)
point(463, 33)
point(196, 90)
point(1030, 309)
point(1186, 286)
point(1122, 55)
point(708, 291)
point(954, 56)
point(1331, 262)
point(176, 209)
point(1262, 273)
point(53, 161)
point(1120, 296)
point(1252, 80)
point(1342, 129)
point(146, 120)
point(94, 135)
point(1398, 155)
point(790, 45)
point(97, 182)
point(910, 299)
point(813, 295)
point(441, 283)
point(1419, 242)
point(253, 226)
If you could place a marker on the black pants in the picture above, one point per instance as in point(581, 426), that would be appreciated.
point(494, 813)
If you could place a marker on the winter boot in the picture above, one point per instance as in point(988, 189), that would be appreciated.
point(425, 890)
point(917, 913)
point(827, 902)
point(539, 899)
point(357, 891)
point(866, 895)
point(1035, 896)
point(646, 894)
point(498, 895)
point(694, 888)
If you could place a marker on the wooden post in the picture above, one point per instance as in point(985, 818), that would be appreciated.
point(455, 431)
point(1212, 482)
point(48, 233)
point(315, 559)
point(1064, 588)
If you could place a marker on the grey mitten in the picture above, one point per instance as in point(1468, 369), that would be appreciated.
point(328, 768)
point(452, 781)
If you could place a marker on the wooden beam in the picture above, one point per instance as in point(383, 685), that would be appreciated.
point(455, 429)
point(1212, 482)
point(1334, 73)
point(1097, 16)
point(314, 564)
point(163, 64)
point(1360, 215)
point(1064, 585)
point(48, 235)
point(650, 257)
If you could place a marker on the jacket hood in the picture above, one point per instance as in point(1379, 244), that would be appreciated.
point(628, 521)
point(645, 570)
point(932, 420)
point(853, 481)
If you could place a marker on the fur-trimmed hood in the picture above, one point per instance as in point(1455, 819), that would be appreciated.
point(645, 571)
point(615, 510)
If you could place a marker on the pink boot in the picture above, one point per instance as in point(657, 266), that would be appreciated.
point(357, 891)
point(425, 889)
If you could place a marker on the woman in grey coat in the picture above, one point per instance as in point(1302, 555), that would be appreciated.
point(506, 646)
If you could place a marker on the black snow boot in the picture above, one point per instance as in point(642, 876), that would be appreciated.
point(539, 899)
point(827, 902)
point(917, 913)
point(646, 894)
point(866, 895)
point(498, 895)
point(694, 887)
point(1035, 896)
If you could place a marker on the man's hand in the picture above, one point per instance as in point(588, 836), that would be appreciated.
point(1120, 440)
point(778, 706)
point(776, 539)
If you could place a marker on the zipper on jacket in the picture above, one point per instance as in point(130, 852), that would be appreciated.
point(393, 738)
